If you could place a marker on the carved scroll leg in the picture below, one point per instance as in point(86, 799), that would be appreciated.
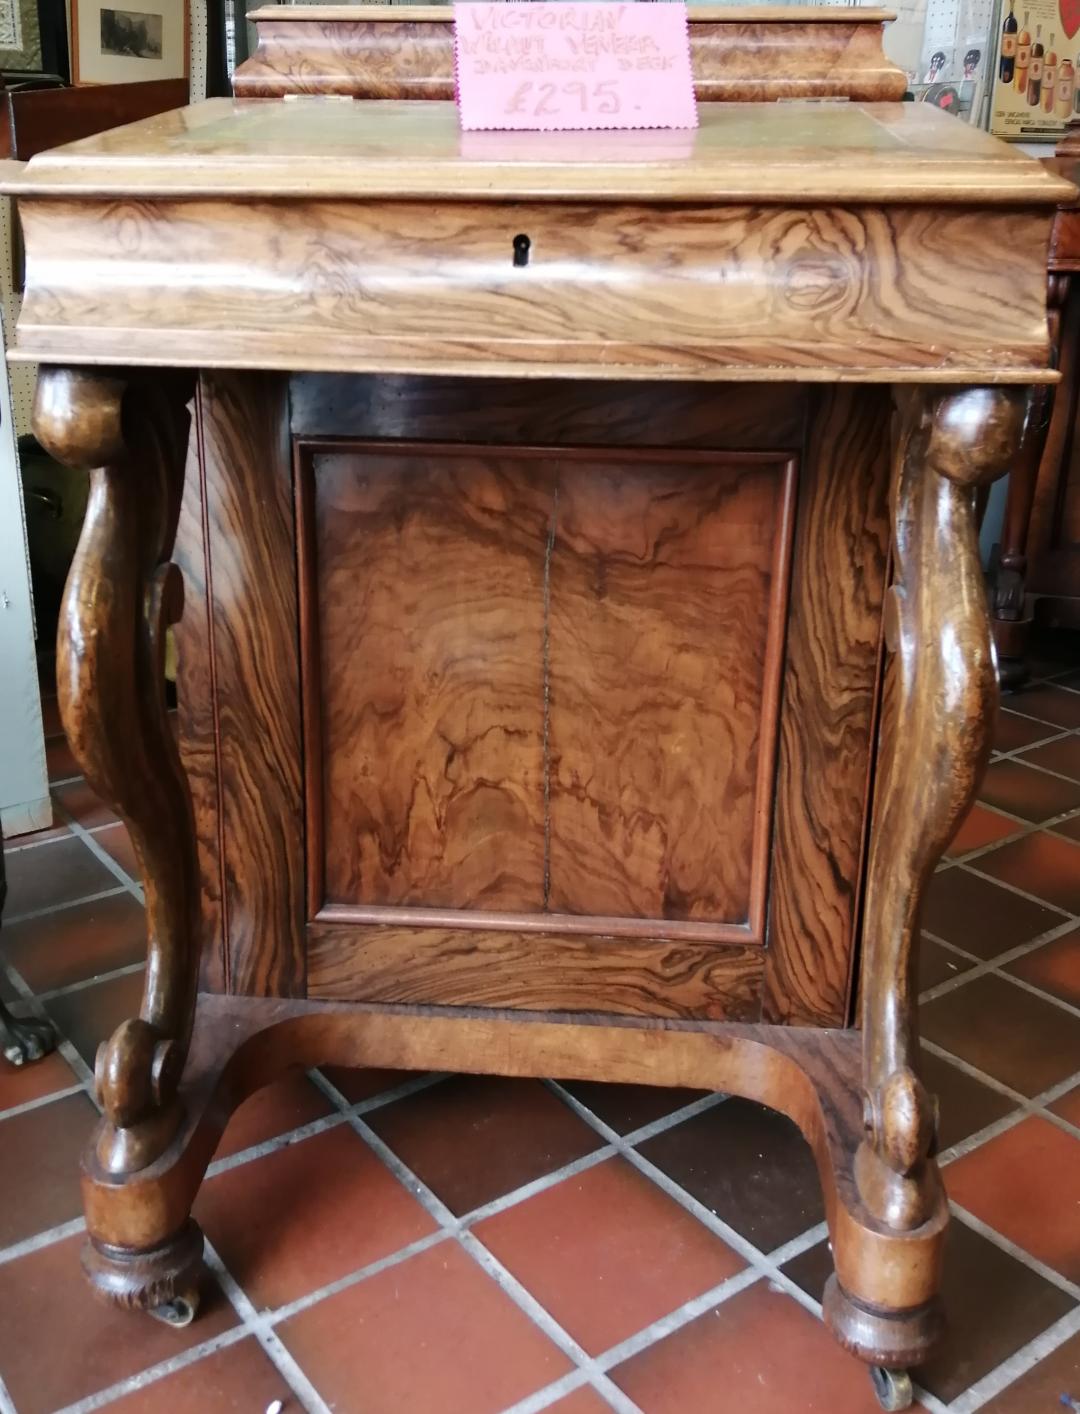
point(941, 701)
point(121, 595)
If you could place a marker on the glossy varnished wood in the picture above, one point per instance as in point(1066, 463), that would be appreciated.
point(390, 53)
point(248, 515)
point(349, 268)
point(541, 679)
point(827, 724)
point(122, 593)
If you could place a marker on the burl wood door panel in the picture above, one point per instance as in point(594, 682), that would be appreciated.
point(544, 685)
point(482, 710)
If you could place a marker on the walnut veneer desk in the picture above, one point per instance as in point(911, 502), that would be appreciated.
point(531, 602)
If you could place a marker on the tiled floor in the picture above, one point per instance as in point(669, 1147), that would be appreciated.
point(438, 1245)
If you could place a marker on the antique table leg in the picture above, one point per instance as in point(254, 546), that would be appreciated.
point(940, 708)
point(121, 595)
point(22, 1039)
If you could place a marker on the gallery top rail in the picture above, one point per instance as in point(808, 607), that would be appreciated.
point(750, 54)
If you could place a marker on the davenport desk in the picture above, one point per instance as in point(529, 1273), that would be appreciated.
point(584, 653)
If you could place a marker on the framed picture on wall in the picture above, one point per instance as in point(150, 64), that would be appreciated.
point(33, 37)
point(129, 41)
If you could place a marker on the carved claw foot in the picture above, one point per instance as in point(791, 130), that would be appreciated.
point(163, 1280)
point(24, 1039)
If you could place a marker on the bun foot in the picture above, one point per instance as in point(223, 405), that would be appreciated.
point(24, 1039)
point(889, 1340)
point(162, 1280)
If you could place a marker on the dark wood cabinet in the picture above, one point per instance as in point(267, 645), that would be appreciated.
point(582, 664)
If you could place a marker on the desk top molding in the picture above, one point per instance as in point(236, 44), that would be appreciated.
point(741, 53)
point(808, 242)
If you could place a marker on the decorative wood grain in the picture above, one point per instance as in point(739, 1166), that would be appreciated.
point(534, 971)
point(667, 589)
point(827, 718)
point(430, 576)
point(122, 595)
point(884, 1306)
point(937, 627)
point(196, 703)
point(739, 55)
point(611, 291)
point(772, 154)
point(243, 428)
point(526, 412)
point(542, 681)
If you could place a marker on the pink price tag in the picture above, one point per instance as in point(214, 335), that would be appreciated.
point(573, 65)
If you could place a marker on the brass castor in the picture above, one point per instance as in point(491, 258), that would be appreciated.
point(178, 1312)
point(892, 1387)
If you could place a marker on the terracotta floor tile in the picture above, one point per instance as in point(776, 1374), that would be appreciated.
point(1032, 794)
point(938, 964)
point(59, 760)
point(473, 1139)
point(1040, 864)
point(19, 1084)
point(241, 1379)
point(303, 1216)
point(979, 916)
point(83, 805)
point(274, 1110)
point(1040, 1390)
point(625, 1108)
point(78, 942)
point(39, 1166)
point(364, 1084)
point(980, 828)
point(1026, 1185)
point(1068, 1107)
point(747, 1164)
point(582, 1401)
point(433, 1335)
point(46, 1307)
point(116, 841)
point(965, 1105)
point(1014, 731)
point(1070, 828)
point(607, 1252)
point(1048, 703)
point(49, 874)
point(1012, 1035)
point(91, 1015)
point(994, 1305)
point(1054, 968)
point(1062, 756)
point(762, 1350)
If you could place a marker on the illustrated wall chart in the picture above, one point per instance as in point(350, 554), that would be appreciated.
point(1037, 87)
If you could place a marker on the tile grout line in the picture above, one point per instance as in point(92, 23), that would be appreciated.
point(102, 855)
point(764, 1263)
point(1014, 1250)
point(508, 1284)
point(14, 1111)
point(33, 913)
point(1017, 1364)
point(153, 1373)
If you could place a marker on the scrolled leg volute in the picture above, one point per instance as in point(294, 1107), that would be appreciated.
point(940, 701)
point(130, 435)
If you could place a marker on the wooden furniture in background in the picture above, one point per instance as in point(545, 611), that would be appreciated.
point(1039, 558)
point(532, 616)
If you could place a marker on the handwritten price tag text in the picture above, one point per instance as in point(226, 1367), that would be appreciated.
point(573, 65)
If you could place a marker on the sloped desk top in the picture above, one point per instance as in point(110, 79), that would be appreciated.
point(873, 242)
